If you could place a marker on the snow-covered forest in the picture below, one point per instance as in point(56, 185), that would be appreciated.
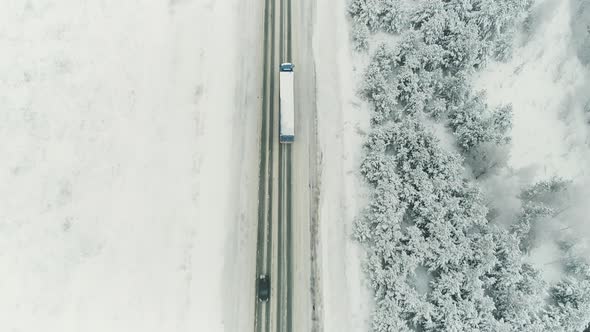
point(444, 249)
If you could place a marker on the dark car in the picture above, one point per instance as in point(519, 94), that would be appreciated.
point(263, 287)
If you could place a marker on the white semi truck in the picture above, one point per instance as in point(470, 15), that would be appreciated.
point(287, 110)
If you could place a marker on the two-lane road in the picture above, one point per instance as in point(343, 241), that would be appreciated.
point(285, 208)
point(274, 207)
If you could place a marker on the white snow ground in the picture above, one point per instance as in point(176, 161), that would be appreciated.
point(341, 122)
point(129, 144)
point(547, 83)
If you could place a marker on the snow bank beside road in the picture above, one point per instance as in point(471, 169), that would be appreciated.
point(125, 129)
point(346, 300)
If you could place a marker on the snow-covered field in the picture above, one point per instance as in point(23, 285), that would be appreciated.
point(127, 136)
point(547, 82)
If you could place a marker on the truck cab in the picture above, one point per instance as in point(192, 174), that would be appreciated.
point(287, 66)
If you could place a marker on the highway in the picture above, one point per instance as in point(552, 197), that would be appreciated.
point(285, 201)
point(273, 314)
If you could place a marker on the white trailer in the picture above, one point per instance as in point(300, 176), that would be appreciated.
point(287, 110)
